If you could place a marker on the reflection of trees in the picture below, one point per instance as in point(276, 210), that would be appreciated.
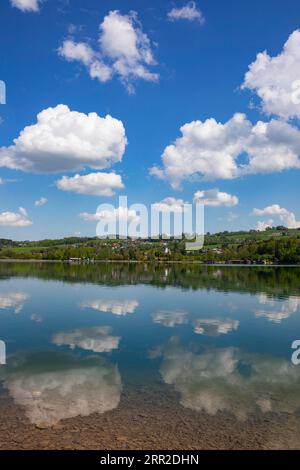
point(276, 281)
point(52, 386)
point(230, 380)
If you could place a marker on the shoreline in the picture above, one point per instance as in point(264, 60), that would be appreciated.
point(16, 260)
point(147, 417)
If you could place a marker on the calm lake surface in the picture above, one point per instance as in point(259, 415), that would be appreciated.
point(139, 356)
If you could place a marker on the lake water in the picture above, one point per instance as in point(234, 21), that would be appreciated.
point(125, 356)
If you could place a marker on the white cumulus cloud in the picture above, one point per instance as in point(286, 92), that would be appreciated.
point(262, 225)
point(94, 184)
point(124, 51)
point(190, 12)
point(211, 150)
point(276, 79)
point(15, 219)
point(62, 139)
point(114, 215)
point(41, 202)
point(287, 218)
point(26, 5)
point(82, 52)
point(170, 204)
point(214, 197)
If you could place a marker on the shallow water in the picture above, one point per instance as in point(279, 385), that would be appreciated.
point(148, 356)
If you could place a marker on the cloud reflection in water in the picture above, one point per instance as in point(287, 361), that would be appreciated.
point(230, 380)
point(52, 386)
point(117, 307)
point(13, 300)
point(97, 339)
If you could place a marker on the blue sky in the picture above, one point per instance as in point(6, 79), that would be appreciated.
point(195, 73)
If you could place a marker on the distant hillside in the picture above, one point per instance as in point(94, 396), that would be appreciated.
point(277, 245)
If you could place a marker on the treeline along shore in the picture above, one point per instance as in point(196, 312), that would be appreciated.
point(273, 246)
